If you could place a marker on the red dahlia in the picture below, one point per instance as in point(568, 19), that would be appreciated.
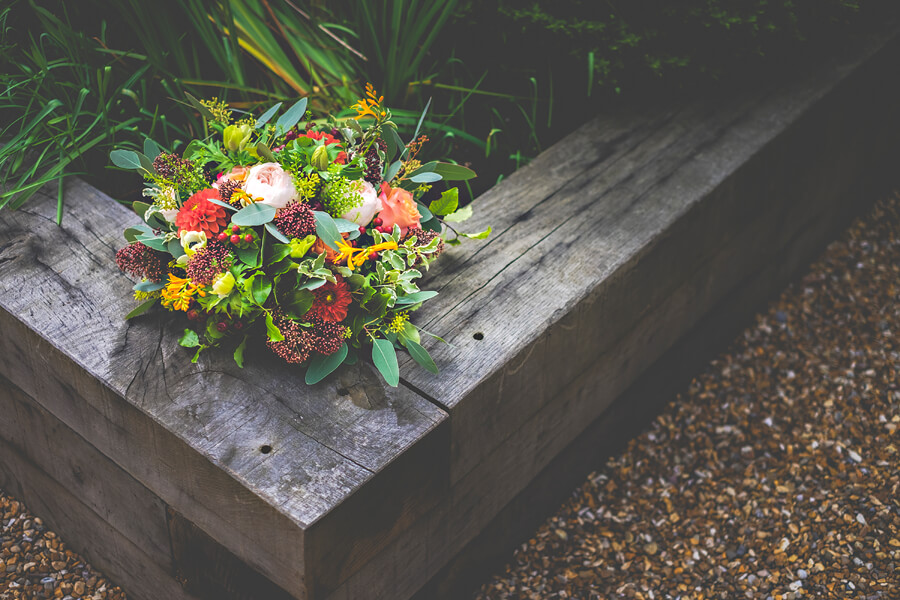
point(199, 214)
point(332, 300)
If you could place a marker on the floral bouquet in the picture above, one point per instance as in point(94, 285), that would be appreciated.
point(311, 233)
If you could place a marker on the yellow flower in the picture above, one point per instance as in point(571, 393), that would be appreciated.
point(398, 323)
point(355, 257)
point(179, 292)
point(370, 106)
point(223, 284)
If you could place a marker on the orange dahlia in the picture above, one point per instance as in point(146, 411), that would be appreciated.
point(199, 214)
point(332, 300)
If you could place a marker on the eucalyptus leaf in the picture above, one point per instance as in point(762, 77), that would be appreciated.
point(423, 210)
point(426, 178)
point(222, 203)
point(385, 358)
point(175, 249)
point(141, 309)
point(432, 224)
point(148, 286)
point(151, 149)
point(321, 366)
point(125, 159)
point(253, 215)
point(266, 116)
point(326, 229)
point(140, 208)
point(452, 172)
point(153, 242)
point(345, 226)
point(392, 171)
point(292, 116)
point(421, 356)
point(276, 234)
point(146, 163)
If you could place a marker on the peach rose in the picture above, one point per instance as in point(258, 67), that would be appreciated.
point(271, 183)
point(399, 209)
point(237, 173)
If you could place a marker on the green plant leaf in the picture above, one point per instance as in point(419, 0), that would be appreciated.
point(239, 353)
point(326, 229)
point(132, 233)
point(421, 356)
point(273, 332)
point(297, 302)
point(260, 288)
point(432, 224)
point(452, 172)
point(265, 152)
point(446, 204)
point(460, 215)
point(266, 116)
point(125, 159)
point(392, 171)
point(140, 208)
point(190, 339)
point(279, 251)
point(249, 256)
point(277, 234)
point(204, 112)
point(416, 297)
point(253, 215)
point(141, 309)
point(385, 358)
point(292, 116)
point(477, 236)
point(321, 366)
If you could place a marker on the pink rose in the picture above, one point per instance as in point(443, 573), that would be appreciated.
point(399, 209)
point(272, 184)
point(363, 214)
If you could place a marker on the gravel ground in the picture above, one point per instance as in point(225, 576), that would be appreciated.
point(775, 475)
point(35, 563)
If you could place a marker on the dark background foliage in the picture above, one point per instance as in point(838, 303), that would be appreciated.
point(507, 78)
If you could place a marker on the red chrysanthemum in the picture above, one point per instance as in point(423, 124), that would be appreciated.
point(199, 214)
point(332, 300)
point(329, 139)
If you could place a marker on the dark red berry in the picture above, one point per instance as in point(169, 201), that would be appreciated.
point(235, 228)
point(377, 222)
point(222, 326)
point(362, 229)
point(238, 325)
point(248, 237)
point(235, 239)
point(222, 236)
point(373, 255)
point(193, 314)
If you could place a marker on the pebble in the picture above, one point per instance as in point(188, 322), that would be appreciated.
point(38, 565)
point(779, 461)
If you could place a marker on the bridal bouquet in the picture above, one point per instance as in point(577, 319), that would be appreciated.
point(308, 234)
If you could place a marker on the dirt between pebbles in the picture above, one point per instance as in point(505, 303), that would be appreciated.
point(774, 476)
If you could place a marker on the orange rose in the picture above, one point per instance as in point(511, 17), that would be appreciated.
point(399, 209)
